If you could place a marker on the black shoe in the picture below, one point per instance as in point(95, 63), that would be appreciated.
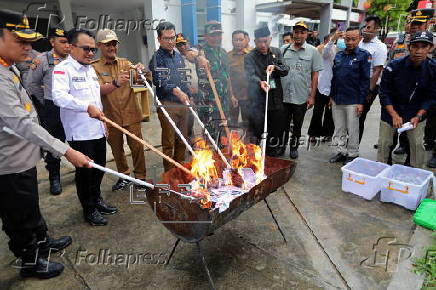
point(293, 153)
point(432, 162)
point(95, 218)
point(400, 151)
point(55, 182)
point(121, 184)
point(339, 157)
point(54, 245)
point(349, 159)
point(141, 187)
point(41, 268)
point(272, 151)
point(281, 150)
point(428, 146)
point(104, 208)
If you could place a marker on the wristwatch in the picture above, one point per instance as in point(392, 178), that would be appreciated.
point(114, 82)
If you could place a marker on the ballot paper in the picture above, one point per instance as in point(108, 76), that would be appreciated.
point(224, 195)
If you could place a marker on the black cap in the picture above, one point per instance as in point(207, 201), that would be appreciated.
point(423, 36)
point(262, 32)
point(56, 32)
point(18, 24)
point(421, 15)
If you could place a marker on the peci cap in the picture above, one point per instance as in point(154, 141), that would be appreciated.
point(262, 32)
point(19, 25)
point(56, 32)
point(105, 36)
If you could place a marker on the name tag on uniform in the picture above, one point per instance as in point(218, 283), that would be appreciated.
point(95, 79)
point(78, 79)
point(105, 74)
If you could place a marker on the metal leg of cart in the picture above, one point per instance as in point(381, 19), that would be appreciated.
point(275, 220)
point(203, 261)
point(173, 250)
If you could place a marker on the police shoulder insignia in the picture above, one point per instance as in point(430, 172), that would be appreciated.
point(28, 107)
point(388, 68)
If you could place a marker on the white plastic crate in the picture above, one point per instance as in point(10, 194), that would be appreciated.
point(405, 186)
point(362, 177)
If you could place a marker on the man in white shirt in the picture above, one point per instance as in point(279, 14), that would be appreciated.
point(379, 54)
point(76, 91)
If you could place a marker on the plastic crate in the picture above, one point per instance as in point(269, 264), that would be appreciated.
point(362, 177)
point(425, 215)
point(405, 186)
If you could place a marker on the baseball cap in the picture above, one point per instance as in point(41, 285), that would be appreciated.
point(19, 25)
point(301, 24)
point(423, 36)
point(213, 27)
point(105, 36)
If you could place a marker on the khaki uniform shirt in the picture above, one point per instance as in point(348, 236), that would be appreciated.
point(121, 106)
point(237, 73)
point(21, 137)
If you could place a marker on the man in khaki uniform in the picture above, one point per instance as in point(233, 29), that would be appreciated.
point(120, 105)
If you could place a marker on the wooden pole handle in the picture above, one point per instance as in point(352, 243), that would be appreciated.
point(146, 144)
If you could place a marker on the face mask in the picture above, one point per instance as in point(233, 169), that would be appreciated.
point(340, 44)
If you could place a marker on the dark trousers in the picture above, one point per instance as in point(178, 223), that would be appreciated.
point(366, 107)
point(294, 113)
point(20, 213)
point(243, 107)
point(49, 117)
point(430, 128)
point(276, 125)
point(319, 126)
point(88, 180)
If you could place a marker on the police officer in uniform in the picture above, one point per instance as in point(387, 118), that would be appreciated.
point(40, 75)
point(21, 141)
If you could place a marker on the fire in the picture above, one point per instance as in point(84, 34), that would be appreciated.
point(205, 169)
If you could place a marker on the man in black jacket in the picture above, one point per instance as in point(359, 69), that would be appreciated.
point(260, 60)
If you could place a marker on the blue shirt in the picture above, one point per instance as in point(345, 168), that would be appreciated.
point(350, 83)
point(169, 72)
point(407, 88)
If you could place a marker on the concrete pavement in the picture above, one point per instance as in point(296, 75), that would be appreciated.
point(335, 240)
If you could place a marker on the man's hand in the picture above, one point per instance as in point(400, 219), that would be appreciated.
point(139, 66)
point(77, 158)
point(95, 112)
point(359, 110)
point(414, 121)
point(264, 86)
point(184, 98)
point(397, 121)
point(310, 102)
point(123, 78)
point(330, 104)
point(234, 101)
point(270, 69)
point(337, 35)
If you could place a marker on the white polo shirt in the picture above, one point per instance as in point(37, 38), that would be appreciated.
point(75, 87)
point(325, 76)
point(378, 51)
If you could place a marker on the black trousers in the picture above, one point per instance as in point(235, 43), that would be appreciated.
point(49, 117)
point(20, 213)
point(318, 126)
point(294, 113)
point(88, 180)
point(276, 124)
point(366, 107)
point(430, 127)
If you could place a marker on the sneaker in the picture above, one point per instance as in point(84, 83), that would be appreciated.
point(95, 218)
point(293, 153)
point(104, 208)
point(339, 157)
point(400, 151)
point(121, 184)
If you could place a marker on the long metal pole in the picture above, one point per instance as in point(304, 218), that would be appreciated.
point(265, 125)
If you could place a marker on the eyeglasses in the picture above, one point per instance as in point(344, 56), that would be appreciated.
point(87, 49)
point(111, 43)
point(169, 39)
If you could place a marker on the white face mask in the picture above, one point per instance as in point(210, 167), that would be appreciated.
point(340, 44)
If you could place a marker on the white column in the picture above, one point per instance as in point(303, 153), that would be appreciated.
point(67, 14)
point(325, 20)
point(246, 16)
